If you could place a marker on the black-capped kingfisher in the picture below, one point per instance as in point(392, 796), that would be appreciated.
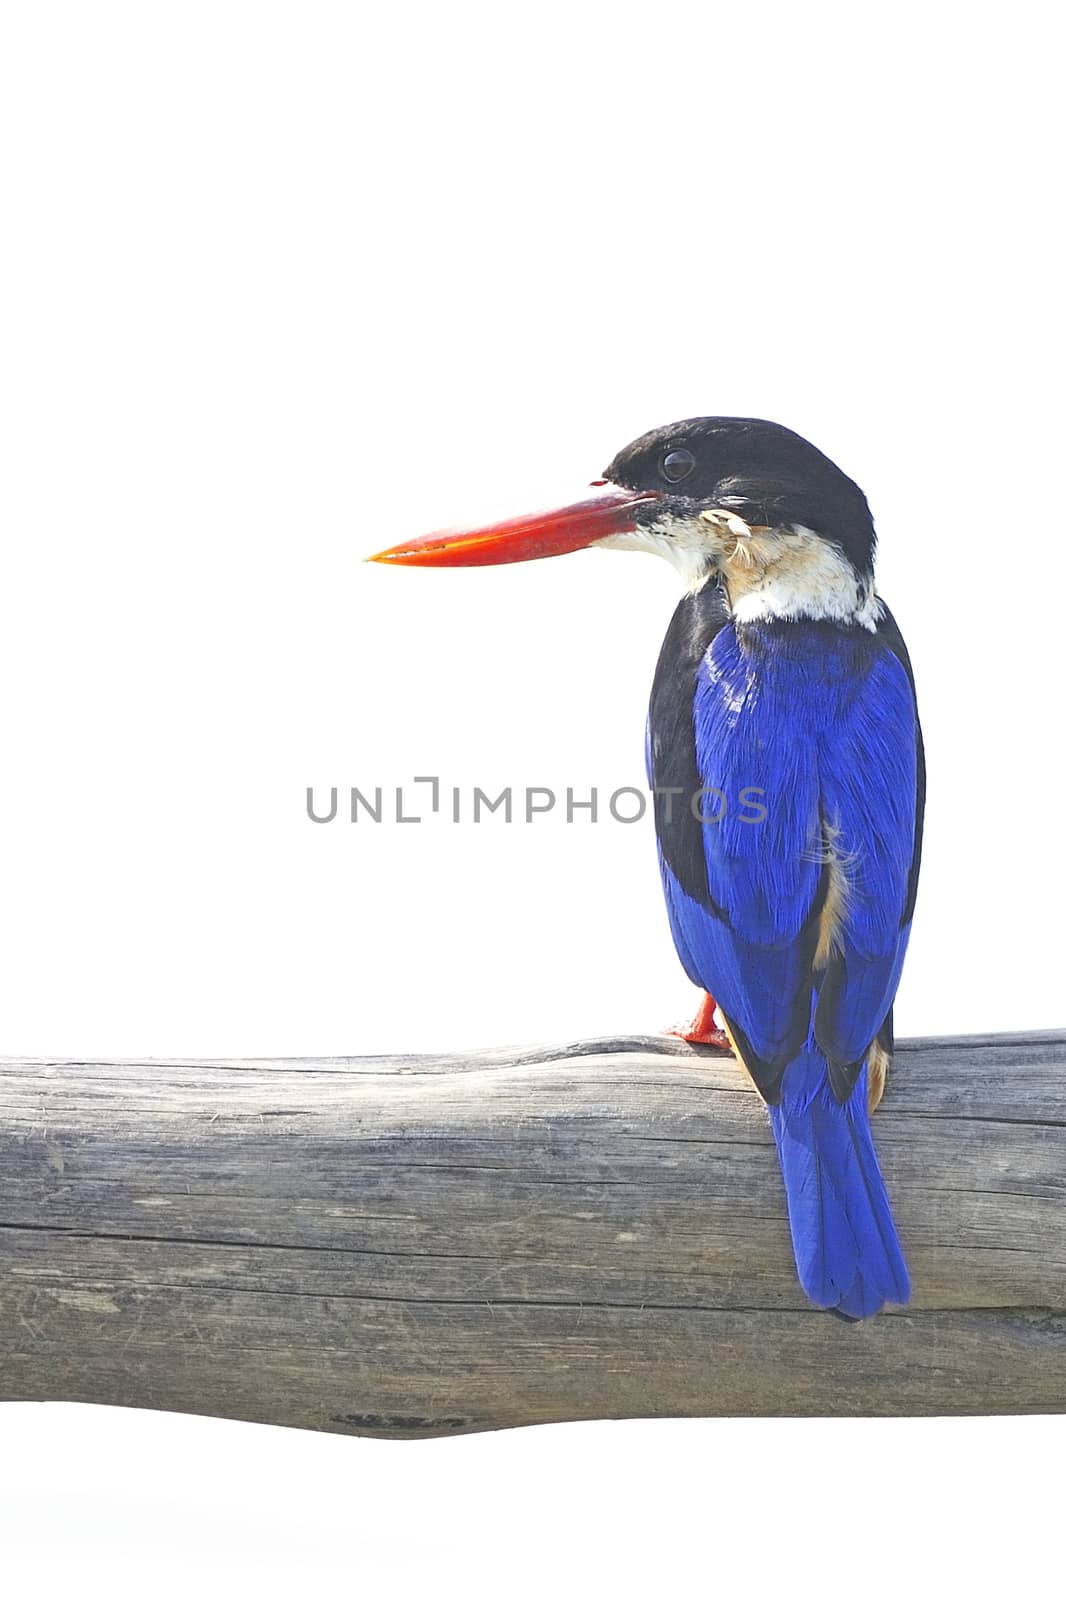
point(783, 681)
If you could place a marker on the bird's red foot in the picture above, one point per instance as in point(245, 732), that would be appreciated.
point(703, 1029)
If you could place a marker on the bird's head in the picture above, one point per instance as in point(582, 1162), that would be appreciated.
point(786, 530)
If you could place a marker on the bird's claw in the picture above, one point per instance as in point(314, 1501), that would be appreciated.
point(705, 1028)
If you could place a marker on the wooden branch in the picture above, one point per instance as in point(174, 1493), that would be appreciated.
point(431, 1245)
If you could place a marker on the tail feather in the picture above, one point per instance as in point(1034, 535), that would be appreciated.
point(847, 1251)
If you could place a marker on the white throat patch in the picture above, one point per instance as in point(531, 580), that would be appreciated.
point(682, 542)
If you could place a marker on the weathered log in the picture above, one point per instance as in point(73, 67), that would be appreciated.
point(428, 1245)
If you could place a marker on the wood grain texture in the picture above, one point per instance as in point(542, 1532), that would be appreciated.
point(429, 1245)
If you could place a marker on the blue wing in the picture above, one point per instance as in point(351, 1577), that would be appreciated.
point(806, 736)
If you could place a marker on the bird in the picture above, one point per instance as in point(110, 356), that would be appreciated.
point(785, 756)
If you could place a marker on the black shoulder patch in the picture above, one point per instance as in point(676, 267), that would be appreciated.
point(672, 736)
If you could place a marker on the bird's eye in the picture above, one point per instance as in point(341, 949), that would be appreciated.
point(677, 465)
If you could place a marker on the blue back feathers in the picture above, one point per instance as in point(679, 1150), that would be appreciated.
point(822, 720)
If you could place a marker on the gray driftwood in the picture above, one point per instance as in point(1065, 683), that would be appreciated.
point(428, 1245)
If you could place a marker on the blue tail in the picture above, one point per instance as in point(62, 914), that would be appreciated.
point(847, 1252)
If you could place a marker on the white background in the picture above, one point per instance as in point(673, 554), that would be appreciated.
point(287, 283)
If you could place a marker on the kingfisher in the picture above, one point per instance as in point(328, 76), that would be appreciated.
point(785, 755)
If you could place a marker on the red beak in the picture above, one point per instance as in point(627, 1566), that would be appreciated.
point(528, 538)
